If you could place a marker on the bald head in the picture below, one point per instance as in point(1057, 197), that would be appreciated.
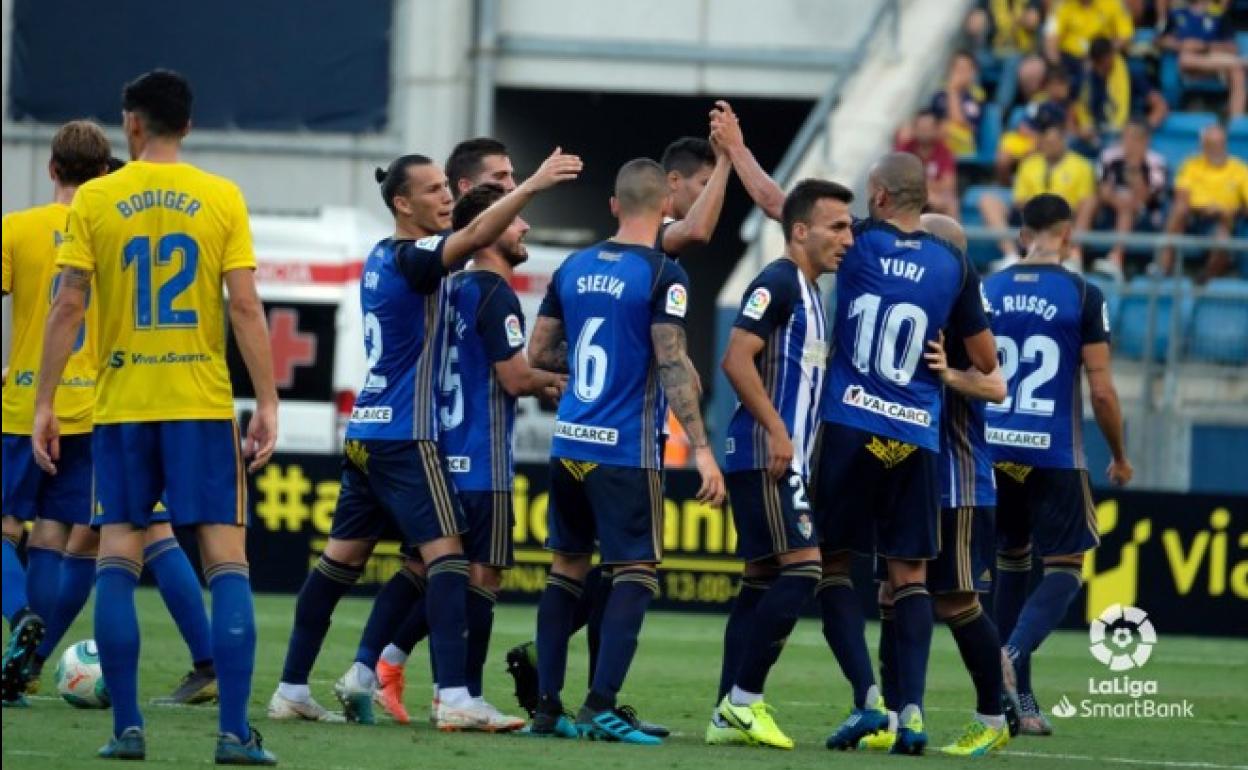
point(901, 178)
point(640, 187)
point(945, 228)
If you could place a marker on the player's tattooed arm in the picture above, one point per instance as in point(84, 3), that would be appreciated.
point(548, 347)
point(64, 320)
point(679, 379)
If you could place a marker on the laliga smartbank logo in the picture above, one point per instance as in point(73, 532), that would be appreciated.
point(1122, 639)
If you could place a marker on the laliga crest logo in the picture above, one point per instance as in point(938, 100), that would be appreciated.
point(1122, 637)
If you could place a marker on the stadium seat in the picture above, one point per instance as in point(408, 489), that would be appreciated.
point(1016, 117)
point(1179, 136)
point(1131, 328)
point(989, 135)
point(1218, 332)
point(981, 252)
point(1174, 84)
point(1108, 287)
point(1237, 136)
point(1241, 38)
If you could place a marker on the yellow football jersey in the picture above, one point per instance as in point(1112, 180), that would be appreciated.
point(159, 238)
point(30, 275)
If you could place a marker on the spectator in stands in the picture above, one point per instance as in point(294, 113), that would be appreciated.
point(1205, 45)
point(1007, 26)
point(1053, 169)
point(1050, 108)
point(960, 106)
point(1111, 93)
point(941, 166)
point(1132, 190)
point(1074, 24)
point(1211, 189)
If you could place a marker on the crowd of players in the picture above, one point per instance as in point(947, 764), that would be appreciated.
point(1086, 88)
point(890, 429)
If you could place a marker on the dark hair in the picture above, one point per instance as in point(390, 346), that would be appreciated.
point(115, 164)
point(1057, 73)
point(687, 155)
point(473, 202)
point(1099, 48)
point(393, 179)
point(79, 152)
point(465, 160)
point(163, 100)
point(1045, 211)
point(799, 203)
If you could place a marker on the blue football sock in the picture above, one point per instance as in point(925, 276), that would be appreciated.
point(594, 602)
point(325, 585)
point(1013, 577)
point(1044, 609)
point(13, 586)
point(446, 606)
point(415, 627)
point(888, 658)
point(736, 631)
point(233, 643)
point(396, 598)
point(183, 597)
point(480, 608)
point(117, 637)
point(845, 629)
point(980, 648)
point(622, 617)
point(912, 606)
point(43, 579)
point(774, 618)
point(554, 626)
point(77, 577)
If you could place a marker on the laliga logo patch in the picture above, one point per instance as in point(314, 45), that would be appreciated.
point(757, 304)
point(677, 300)
point(515, 334)
point(1122, 637)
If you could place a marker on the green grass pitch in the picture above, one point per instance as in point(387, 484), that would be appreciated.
point(672, 681)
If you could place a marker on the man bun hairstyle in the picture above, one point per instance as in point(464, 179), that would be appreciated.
point(393, 179)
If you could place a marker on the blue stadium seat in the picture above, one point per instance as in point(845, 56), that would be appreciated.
point(1179, 136)
point(1108, 287)
point(1131, 327)
point(1237, 136)
point(981, 252)
point(1218, 332)
point(989, 135)
point(1241, 38)
point(1016, 117)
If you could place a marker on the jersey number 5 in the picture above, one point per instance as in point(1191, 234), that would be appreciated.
point(138, 252)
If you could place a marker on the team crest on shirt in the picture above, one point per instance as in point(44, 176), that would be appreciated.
point(515, 334)
point(677, 300)
point(891, 452)
point(804, 526)
point(757, 304)
point(429, 242)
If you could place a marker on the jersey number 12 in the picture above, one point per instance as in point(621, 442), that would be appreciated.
point(138, 252)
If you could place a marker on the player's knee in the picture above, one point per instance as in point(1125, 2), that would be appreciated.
point(223, 543)
point(83, 541)
point(121, 541)
point(13, 528)
point(415, 566)
point(1069, 564)
point(442, 547)
point(906, 571)
point(352, 553)
point(760, 570)
point(485, 576)
point(52, 535)
point(885, 593)
point(574, 566)
point(157, 532)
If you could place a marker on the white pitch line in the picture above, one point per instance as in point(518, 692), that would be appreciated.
point(1124, 760)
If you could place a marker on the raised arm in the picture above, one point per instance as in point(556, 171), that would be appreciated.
point(697, 228)
point(64, 320)
point(251, 332)
point(680, 385)
point(490, 224)
point(726, 133)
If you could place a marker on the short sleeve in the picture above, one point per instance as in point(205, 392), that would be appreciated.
point(669, 303)
point(1124, 28)
point(240, 254)
point(1094, 323)
point(551, 306)
point(76, 250)
point(1085, 184)
point(7, 238)
point(768, 303)
point(970, 309)
point(1024, 183)
point(420, 262)
point(1186, 177)
point(500, 322)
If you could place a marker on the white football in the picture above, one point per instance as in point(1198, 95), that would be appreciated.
point(79, 678)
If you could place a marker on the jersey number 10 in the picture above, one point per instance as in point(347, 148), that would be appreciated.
point(138, 252)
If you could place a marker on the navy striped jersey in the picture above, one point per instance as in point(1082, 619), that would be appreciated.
point(485, 326)
point(607, 297)
point(401, 295)
point(966, 477)
point(784, 308)
point(894, 292)
point(1042, 316)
